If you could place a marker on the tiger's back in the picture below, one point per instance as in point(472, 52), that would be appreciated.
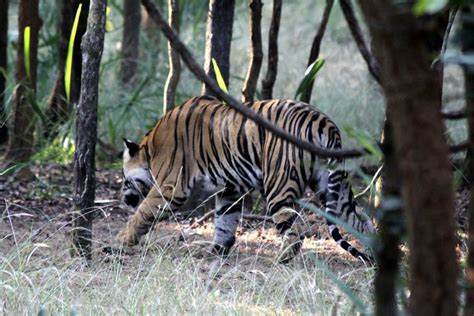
point(205, 140)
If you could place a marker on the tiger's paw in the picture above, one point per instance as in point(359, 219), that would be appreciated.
point(127, 238)
point(292, 244)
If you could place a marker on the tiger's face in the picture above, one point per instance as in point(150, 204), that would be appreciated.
point(137, 180)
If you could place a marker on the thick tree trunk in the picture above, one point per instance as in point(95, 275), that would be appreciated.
point(468, 47)
point(59, 109)
point(86, 128)
point(175, 63)
point(392, 228)
point(256, 54)
point(272, 69)
point(316, 46)
point(220, 20)
point(3, 68)
point(20, 143)
point(413, 92)
point(131, 39)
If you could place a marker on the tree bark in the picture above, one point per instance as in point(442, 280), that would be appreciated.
point(59, 109)
point(3, 69)
point(413, 95)
point(86, 129)
point(256, 55)
point(175, 63)
point(220, 20)
point(354, 27)
point(130, 40)
point(316, 46)
point(392, 228)
point(467, 27)
point(272, 69)
point(21, 139)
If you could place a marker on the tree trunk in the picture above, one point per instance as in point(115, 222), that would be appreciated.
point(316, 46)
point(354, 27)
point(20, 143)
point(3, 69)
point(412, 88)
point(175, 64)
point(392, 228)
point(59, 109)
point(256, 57)
point(468, 47)
point(86, 129)
point(218, 39)
point(272, 69)
point(131, 40)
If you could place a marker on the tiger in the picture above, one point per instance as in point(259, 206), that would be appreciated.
point(207, 142)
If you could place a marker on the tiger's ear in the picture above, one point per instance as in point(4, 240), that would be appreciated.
point(131, 147)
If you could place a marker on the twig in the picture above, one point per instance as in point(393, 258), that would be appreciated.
point(175, 64)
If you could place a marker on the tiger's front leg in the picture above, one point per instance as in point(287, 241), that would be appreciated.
point(154, 208)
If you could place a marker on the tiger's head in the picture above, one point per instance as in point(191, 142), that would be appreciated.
point(137, 180)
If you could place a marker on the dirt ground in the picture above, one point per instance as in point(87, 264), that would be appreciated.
point(40, 210)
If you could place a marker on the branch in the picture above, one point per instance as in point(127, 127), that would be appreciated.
point(194, 67)
point(356, 32)
point(175, 64)
point(256, 58)
point(272, 69)
point(316, 46)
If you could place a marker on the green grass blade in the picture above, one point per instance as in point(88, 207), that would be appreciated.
point(341, 285)
point(26, 49)
point(70, 50)
point(219, 78)
point(309, 76)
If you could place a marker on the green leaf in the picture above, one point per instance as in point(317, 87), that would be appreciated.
point(309, 77)
point(219, 78)
point(70, 50)
point(429, 6)
point(26, 49)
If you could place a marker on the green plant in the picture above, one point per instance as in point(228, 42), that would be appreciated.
point(309, 77)
point(219, 78)
point(70, 51)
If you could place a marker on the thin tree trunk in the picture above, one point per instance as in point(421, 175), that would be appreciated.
point(3, 69)
point(256, 57)
point(59, 109)
point(316, 46)
point(354, 27)
point(175, 64)
point(86, 129)
point(220, 20)
point(468, 47)
point(413, 92)
point(391, 229)
point(130, 40)
point(272, 69)
point(20, 143)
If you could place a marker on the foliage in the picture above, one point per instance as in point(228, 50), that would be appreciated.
point(70, 51)
point(219, 78)
point(26, 48)
point(309, 77)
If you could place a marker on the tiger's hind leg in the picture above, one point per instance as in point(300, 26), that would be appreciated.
point(226, 218)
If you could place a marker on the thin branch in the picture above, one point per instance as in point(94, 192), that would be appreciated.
point(272, 69)
point(452, 17)
point(194, 67)
point(356, 31)
point(316, 46)
point(175, 64)
point(256, 58)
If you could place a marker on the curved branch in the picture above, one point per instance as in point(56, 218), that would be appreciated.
point(316, 46)
point(356, 31)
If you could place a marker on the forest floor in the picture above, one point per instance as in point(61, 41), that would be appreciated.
point(35, 231)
